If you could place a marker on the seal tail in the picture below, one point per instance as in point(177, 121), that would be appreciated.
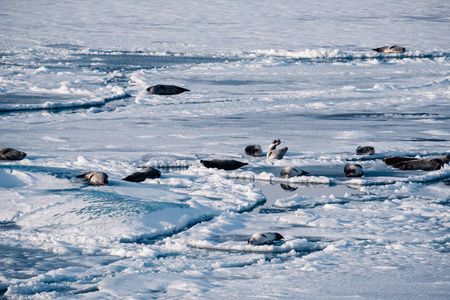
point(279, 236)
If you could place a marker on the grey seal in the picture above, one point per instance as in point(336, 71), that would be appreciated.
point(95, 178)
point(289, 172)
point(265, 238)
point(254, 150)
point(11, 154)
point(390, 161)
point(147, 172)
point(353, 170)
point(429, 164)
point(273, 153)
point(162, 89)
point(365, 150)
point(390, 49)
point(223, 164)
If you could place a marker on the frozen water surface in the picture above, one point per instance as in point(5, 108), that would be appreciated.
point(73, 79)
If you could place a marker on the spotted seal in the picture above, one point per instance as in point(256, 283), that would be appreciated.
point(390, 161)
point(390, 49)
point(264, 238)
point(289, 172)
point(95, 178)
point(353, 170)
point(273, 153)
point(365, 150)
point(254, 150)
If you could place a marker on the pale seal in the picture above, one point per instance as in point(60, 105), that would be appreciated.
point(353, 170)
point(162, 89)
point(95, 178)
point(223, 164)
point(254, 150)
point(11, 154)
point(289, 172)
point(365, 150)
point(391, 49)
point(264, 238)
point(430, 164)
point(273, 153)
point(147, 172)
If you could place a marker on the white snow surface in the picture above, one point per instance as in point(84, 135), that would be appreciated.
point(73, 79)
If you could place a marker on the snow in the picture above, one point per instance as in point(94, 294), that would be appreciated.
point(73, 79)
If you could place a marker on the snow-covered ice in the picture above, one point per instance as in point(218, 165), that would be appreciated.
point(73, 79)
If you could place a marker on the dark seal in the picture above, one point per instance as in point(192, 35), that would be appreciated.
point(430, 164)
point(162, 89)
point(390, 161)
point(11, 154)
point(223, 164)
point(147, 172)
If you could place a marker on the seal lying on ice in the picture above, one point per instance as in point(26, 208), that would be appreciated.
point(254, 150)
point(365, 150)
point(429, 164)
point(353, 170)
point(11, 154)
point(273, 153)
point(390, 161)
point(391, 49)
point(264, 238)
point(162, 89)
point(147, 172)
point(289, 172)
point(95, 178)
point(223, 164)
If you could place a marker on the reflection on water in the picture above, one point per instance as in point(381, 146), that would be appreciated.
point(275, 191)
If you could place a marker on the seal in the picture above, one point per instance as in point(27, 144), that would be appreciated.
point(11, 154)
point(273, 153)
point(254, 150)
point(353, 170)
point(390, 161)
point(391, 49)
point(365, 150)
point(95, 178)
point(223, 164)
point(147, 172)
point(288, 187)
point(265, 238)
point(430, 164)
point(162, 89)
point(289, 172)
